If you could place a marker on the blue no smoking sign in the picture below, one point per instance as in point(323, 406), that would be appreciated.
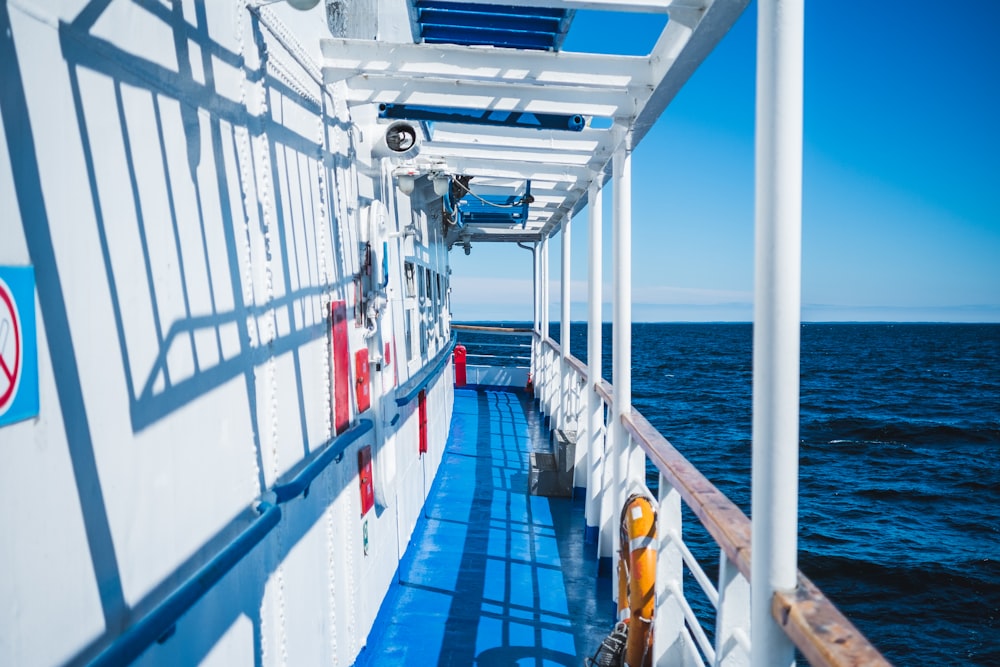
point(18, 345)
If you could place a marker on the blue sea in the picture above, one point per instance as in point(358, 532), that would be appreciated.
point(899, 510)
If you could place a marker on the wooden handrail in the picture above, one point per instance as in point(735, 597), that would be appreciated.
point(724, 521)
point(493, 330)
point(817, 628)
point(604, 390)
point(551, 344)
point(577, 365)
point(814, 624)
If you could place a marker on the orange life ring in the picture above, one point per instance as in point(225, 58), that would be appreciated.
point(637, 577)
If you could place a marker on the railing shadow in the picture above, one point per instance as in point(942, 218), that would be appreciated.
point(495, 576)
point(193, 307)
point(200, 346)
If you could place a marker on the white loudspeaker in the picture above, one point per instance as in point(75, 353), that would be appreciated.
point(400, 140)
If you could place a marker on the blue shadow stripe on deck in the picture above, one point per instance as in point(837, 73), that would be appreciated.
point(493, 576)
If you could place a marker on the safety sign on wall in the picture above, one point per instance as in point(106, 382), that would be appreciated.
point(18, 345)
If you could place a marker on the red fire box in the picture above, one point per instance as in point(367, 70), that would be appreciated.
point(363, 389)
point(365, 477)
point(341, 367)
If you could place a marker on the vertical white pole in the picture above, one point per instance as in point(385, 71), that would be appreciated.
point(545, 288)
point(535, 282)
point(546, 355)
point(595, 407)
point(621, 333)
point(536, 347)
point(564, 379)
point(777, 302)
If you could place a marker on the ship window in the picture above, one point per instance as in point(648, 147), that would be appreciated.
point(423, 287)
point(423, 335)
point(409, 334)
point(411, 279)
point(359, 302)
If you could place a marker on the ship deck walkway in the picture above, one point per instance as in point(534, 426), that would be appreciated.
point(493, 575)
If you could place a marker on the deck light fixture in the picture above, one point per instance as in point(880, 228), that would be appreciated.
point(442, 183)
point(406, 183)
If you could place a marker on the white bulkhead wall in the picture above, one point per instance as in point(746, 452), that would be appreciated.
point(196, 214)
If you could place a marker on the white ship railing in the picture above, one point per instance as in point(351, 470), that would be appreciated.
point(495, 355)
point(823, 635)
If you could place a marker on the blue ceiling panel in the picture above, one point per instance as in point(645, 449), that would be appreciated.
point(468, 24)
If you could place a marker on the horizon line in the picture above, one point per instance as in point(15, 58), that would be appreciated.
point(518, 321)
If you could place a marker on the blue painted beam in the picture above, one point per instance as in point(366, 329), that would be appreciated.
point(537, 121)
point(504, 22)
point(466, 36)
point(509, 10)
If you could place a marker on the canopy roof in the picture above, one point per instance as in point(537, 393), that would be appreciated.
point(616, 98)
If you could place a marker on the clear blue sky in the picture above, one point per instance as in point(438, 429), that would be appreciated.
point(901, 199)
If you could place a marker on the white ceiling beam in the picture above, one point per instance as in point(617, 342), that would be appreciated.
point(344, 58)
point(367, 89)
point(517, 154)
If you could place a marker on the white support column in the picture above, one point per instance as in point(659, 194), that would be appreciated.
point(545, 288)
point(777, 302)
point(564, 370)
point(535, 285)
point(536, 348)
point(621, 334)
point(546, 353)
point(595, 406)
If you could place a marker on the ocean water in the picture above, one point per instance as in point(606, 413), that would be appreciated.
point(899, 508)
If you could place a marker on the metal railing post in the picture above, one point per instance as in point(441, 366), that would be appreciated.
point(546, 370)
point(564, 334)
point(608, 536)
point(669, 636)
point(777, 302)
point(732, 619)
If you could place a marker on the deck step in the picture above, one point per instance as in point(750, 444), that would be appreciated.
point(551, 473)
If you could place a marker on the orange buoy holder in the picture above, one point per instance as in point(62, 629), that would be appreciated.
point(637, 577)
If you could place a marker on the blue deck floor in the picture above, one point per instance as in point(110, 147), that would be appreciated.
point(493, 576)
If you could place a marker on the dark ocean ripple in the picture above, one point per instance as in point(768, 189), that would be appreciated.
point(899, 511)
